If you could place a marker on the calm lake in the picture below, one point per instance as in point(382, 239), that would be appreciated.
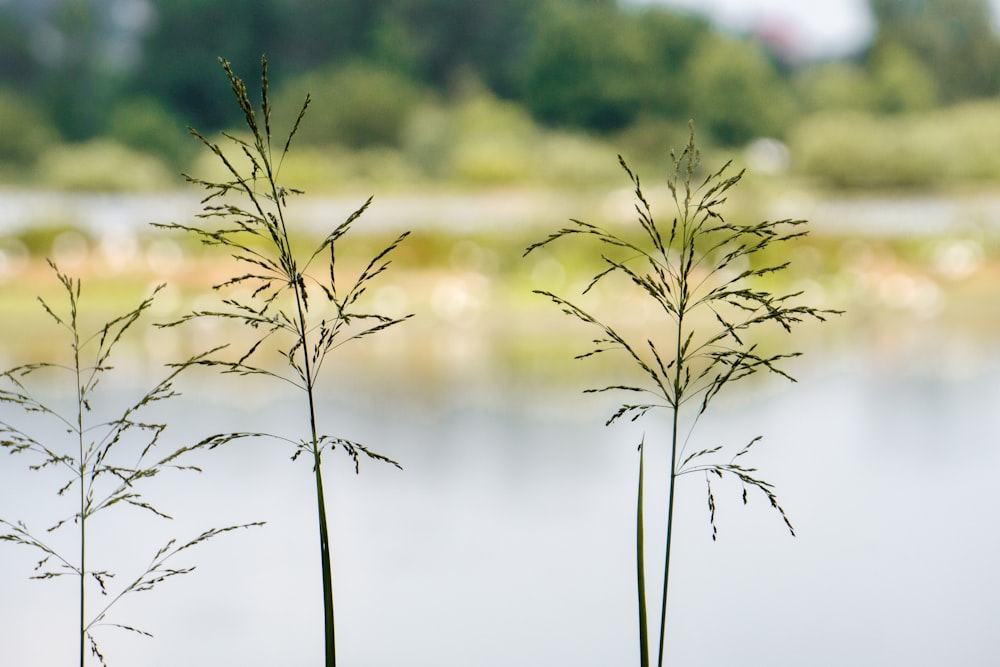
point(509, 537)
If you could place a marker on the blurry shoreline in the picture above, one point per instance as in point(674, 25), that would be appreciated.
point(916, 276)
point(508, 208)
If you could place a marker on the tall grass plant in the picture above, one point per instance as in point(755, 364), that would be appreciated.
point(707, 278)
point(105, 464)
point(296, 304)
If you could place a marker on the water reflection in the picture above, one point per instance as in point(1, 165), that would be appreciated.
point(507, 540)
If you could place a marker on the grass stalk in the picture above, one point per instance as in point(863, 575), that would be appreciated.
point(326, 556)
point(710, 280)
point(246, 216)
point(668, 543)
point(640, 555)
point(82, 519)
point(678, 390)
point(106, 460)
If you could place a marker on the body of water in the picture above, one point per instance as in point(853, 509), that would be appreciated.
point(509, 537)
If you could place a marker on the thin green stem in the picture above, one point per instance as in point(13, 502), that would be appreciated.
point(83, 578)
point(285, 251)
point(82, 473)
point(324, 531)
point(678, 396)
point(669, 543)
point(324, 547)
point(640, 554)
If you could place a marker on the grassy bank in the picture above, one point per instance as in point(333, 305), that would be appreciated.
point(477, 318)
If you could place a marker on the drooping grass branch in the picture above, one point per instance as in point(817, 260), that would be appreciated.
point(709, 280)
point(104, 461)
point(301, 307)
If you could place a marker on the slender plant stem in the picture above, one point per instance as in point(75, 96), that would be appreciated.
point(675, 423)
point(275, 273)
point(83, 611)
point(82, 472)
point(640, 551)
point(324, 529)
point(669, 543)
point(324, 547)
point(329, 633)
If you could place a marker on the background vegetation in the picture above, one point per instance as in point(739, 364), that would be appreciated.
point(475, 92)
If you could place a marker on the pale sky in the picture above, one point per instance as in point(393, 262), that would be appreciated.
point(822, 27)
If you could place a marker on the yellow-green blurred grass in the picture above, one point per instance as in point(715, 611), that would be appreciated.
point(477, 319)
point(931, 149)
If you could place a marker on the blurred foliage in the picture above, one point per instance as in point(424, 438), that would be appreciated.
point(356, 105)
point(891, 286)
point(934, 148)
point(476, 139)
point(18, 66)
point(836, 86)
point(488, 141)
point(102, 165)
point(901, 81)
point(593, 65)
point(648, 140)
point(311, 34)
point(477, 91)
point(954, 39)
point(144, 124)
point(736, 92)
point(180, 52)
point(26, 131)
point(894, 82)
point(573, 72)
point(39, 240)
point(441, 41)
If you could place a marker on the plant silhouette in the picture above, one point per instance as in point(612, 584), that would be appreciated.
point(707, 280)
point(105, 461)
point(299, 306)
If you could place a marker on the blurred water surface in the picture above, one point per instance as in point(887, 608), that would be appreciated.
point(508, 538)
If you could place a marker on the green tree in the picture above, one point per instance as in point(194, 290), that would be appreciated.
point(79, 78)
point(380, 102)
point(25, 131)
point(192, 33)
point(18, 67)
point(954, 39)
point(736, 92)
point(588, 66)
point(311, 34)
point(901, 81)
point(438, 41)
point(671, 38)
point(836, 86)
point(144, 124)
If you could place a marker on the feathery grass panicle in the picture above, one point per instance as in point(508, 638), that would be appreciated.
point(301, 307)
point(704, 274)
point(104, 461)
